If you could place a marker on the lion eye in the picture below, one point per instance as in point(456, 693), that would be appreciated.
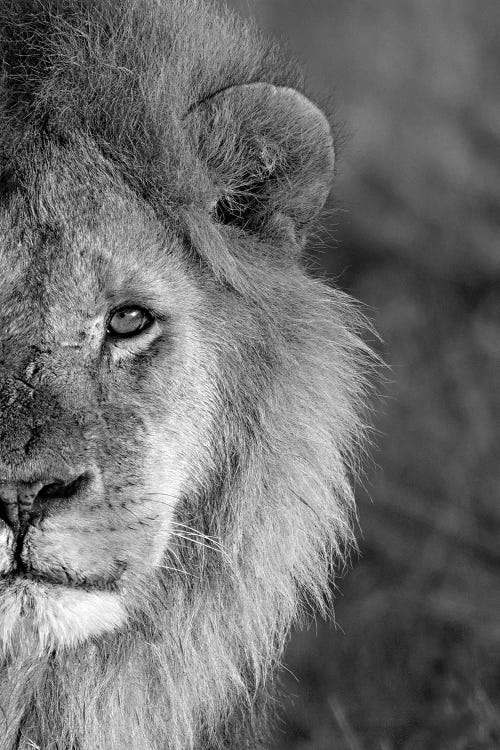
point(129, 321)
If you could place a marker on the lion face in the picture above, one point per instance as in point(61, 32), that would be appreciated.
point(154, 323)
point(105, 397)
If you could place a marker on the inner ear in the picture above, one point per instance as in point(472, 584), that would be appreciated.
point(232, 212)
point(268, 150)
point(245, 208)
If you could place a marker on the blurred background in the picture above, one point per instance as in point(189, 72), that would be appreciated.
point(414, 661)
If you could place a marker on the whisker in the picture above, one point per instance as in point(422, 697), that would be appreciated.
point(162, 494)
point(190, 531)
point(177, 570)
point(196, 539)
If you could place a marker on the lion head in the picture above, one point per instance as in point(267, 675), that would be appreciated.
point(180, 402)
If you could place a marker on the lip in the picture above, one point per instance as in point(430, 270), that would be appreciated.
point(63, 579)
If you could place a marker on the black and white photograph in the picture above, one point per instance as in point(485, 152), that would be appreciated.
point(249, 375)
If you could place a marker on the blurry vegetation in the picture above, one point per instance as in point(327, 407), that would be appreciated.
point(414, 663)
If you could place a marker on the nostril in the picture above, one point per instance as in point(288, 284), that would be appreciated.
point(23, 502)
point(62, 490)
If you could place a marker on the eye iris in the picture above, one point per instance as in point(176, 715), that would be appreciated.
point(128, 321)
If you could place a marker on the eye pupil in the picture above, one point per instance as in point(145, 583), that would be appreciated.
point(129, 321)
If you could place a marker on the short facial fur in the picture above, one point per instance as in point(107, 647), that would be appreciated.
point(160, 157)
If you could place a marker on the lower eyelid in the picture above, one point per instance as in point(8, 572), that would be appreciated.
point(140, 340)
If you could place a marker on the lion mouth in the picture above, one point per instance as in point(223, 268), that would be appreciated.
point(23, 561)
point(59, 576)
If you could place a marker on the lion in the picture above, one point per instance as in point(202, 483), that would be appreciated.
point(182, 404)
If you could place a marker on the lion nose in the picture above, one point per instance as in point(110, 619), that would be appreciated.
point(21, 502)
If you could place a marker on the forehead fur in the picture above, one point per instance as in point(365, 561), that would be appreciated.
point(125, 76)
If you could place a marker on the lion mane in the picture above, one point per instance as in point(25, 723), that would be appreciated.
point(200, 117)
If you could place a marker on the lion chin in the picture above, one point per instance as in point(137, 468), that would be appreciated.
point(45, 616)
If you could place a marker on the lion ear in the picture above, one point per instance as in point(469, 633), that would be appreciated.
point(268, 150)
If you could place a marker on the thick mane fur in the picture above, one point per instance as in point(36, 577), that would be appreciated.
point(192, 668)
point(127, 79)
